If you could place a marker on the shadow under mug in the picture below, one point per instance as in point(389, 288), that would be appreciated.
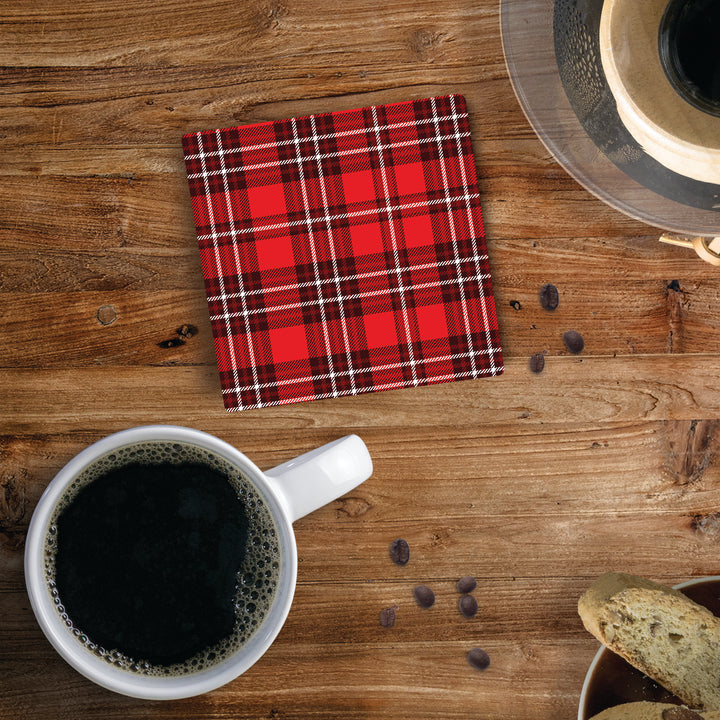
point(290, 491)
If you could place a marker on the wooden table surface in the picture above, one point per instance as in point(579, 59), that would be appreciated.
point(533, 483)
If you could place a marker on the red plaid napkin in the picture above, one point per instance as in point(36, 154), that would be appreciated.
point(343, 253)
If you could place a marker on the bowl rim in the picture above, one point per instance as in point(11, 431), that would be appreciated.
point(603, 649)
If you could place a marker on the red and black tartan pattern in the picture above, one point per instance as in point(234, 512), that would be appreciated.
point(343, 253)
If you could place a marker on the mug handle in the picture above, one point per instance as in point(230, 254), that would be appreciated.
point(320, 476)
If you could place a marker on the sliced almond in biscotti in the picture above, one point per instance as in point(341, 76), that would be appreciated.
point(653, 711)
point(661, 632)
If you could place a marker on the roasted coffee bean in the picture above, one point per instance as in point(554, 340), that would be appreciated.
point(549, 296)
point(537, 363)
point(466, 584)
point(468, 605)
point(478, 658)
point(515, 305)
point(400, 551)
point(387, 617)
point(424, 595)
point(573, 341)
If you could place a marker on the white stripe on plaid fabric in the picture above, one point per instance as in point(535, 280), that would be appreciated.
point(342, 216)
point(333, 255)
point(471, 220)
point(345, 278)
point(329, 136)
point(326, 336)
point(218, 265)
point(327, 156)
point(339, 298)
point(237, 260)
point(396, 257)
point(376, 388)
point(453, 234)
point(371, 368)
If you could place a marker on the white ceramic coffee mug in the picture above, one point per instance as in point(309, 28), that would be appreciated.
point(289, 491)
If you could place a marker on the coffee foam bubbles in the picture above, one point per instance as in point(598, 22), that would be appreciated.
point(257, 579)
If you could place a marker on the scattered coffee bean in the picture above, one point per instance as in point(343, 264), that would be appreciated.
point(424, 595)
point(478, 658)
point(400, 551)
point(466, 584)
point(515, 305)
point(573, 341)
point(468, 606)
point(387, 617)
point(537, 363)
point(549, 296)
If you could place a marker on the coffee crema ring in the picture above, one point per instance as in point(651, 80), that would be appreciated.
point(257, 579)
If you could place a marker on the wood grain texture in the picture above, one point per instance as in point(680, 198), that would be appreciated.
point(533, 483)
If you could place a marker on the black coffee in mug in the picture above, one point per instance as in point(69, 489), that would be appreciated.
point(162, 558)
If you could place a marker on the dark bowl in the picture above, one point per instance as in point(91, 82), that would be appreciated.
point(611, 681)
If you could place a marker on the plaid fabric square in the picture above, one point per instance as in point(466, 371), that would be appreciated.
point(343, 253)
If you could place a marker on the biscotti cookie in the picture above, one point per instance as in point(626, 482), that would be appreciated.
point(661, 632)
point(653, 711)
